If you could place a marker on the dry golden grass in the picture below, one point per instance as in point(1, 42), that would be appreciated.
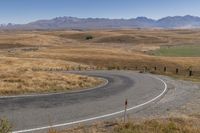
point(26, 75)
point(158, 125)
point(169, 125)
point(110, 52)
point(41, 51)
point(13, 63)
point(24, 82)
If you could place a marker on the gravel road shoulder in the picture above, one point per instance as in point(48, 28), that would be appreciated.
point(182, 99)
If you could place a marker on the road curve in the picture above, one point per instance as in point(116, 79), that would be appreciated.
point(37, 113)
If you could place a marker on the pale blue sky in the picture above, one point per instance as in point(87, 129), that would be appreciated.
point(23, 11)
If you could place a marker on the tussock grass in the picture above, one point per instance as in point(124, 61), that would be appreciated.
point(169, 125)
point(5, 126)
point(159, 125)
point(32, 82)
point(25, 75)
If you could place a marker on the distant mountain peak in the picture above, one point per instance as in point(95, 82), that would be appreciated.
point(142, 18)
point(68, 22)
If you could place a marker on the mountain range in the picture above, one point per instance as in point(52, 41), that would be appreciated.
point(177, 22)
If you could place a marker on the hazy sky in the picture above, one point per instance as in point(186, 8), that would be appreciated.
point(23, 11)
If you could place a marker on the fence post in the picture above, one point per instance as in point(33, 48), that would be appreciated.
point(177, 71)
point(190, 73)
point(165, 69)
point(155, 68)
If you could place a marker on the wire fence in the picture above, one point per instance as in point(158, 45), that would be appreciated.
point(152, 69)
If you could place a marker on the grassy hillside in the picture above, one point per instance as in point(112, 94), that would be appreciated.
point(46, 51)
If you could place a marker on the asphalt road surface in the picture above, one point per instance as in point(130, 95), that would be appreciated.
point(37, 113)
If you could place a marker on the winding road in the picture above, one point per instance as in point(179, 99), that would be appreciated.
point(37, 113)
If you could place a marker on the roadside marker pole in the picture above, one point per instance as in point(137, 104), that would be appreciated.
point(125, 110)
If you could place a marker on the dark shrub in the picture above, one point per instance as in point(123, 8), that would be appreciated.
point(89, 37)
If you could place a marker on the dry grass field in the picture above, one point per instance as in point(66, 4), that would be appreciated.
point(36, 54)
